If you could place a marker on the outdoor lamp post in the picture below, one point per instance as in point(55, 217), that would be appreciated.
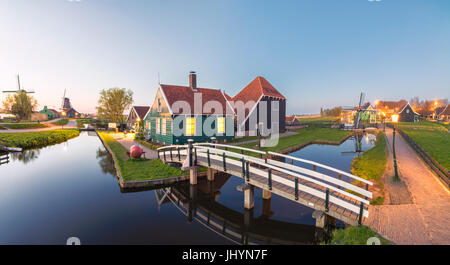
point(394, 120)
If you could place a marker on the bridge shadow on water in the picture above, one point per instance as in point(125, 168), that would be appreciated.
point(201, 203)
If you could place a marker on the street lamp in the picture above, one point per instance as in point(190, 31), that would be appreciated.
point(394, 120)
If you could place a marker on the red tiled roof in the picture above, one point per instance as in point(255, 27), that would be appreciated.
point(290, 118)
point(141, 111)
point(446, 111)
point(186, 94)
point(258, 87)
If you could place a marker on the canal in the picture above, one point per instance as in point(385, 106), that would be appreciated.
point(70, 190)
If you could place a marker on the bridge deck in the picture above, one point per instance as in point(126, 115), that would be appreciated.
point(280, 189)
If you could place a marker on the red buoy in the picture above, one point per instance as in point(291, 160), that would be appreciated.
point(136, 151)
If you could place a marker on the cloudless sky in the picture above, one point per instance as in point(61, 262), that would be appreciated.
point(318, 53)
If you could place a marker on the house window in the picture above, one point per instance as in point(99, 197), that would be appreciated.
point(158, 126)
point(159, 105)
point(164, 126)
point(190, 126)
point(221, 125)
point(407, 111)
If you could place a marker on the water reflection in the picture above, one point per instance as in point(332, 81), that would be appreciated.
point(106, 162)
point(26, 156)
point(200, 204)
point(4, 157)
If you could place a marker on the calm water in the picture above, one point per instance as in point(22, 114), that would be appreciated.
point(70, 189)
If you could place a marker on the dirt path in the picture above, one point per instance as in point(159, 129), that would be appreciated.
point(424, 221)
point(127, 142)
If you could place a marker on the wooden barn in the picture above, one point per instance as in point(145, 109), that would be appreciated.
point(137, 114)
point(180, 113)
point(292, 121)
point(407, 114)
point(444, 115)
point(255, 96)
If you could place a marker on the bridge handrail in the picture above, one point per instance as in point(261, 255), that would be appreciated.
point(232, 154)
point(322, 166)
point(172, 146)
point(233, 147)
point(310, 190)
point(273, 167)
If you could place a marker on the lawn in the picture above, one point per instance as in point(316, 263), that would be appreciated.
point(38, 139)
point(304, 136)
point(424, 125)
point(435, 142)
point(243, 139)
point(61, 122)
point(371, 165)
point(80, 122)
point(355, 235)
point(319, 120)
point(25, 125)
point(139, 169)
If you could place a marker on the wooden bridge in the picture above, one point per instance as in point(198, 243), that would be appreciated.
point(330, 196)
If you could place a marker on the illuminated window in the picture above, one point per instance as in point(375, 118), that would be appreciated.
point(221, 125)
point(164, 126)
point(158, 126)
point(190, 126)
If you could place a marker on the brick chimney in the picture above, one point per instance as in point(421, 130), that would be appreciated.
point(193, 80)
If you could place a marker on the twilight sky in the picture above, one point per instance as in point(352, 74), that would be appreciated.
point(318, 53)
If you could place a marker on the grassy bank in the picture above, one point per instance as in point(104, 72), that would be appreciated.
point(304, 136)
point(38, 139)
point(355, 235)
point(24, 125)
point(371, 166)
point(139, 169)
point(319, 120)
point(435, 142)
point(149, 145)
point(423, 125)
point(61, 122)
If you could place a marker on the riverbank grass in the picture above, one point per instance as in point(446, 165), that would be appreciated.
point(61, 122)
point(139, 169)
point(38, 139)
point(355, 235)
point(372, 165)
point(24, 126)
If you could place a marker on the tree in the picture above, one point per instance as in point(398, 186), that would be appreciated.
point(8, 102)
point(22, 105)
point(113, 102)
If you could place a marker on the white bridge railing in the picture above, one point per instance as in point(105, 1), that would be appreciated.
point(269, 168)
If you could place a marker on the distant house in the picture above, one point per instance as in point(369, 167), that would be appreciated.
point(49, 113)
point(70, 113)
point(387, 108)
point(292, 121)
point(407, 114)
point(180, 113)
point(137, 114)
point(256, 94)
point(367, 115)
point(444, 115)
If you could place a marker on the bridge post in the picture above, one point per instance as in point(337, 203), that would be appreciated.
point(266, 195)
point(320, 218)
point(193, 176)
point(210, 174)
point(248, 216)
point(249, 197)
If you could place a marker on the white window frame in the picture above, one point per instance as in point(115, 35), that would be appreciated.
point(164, 124)
point(158, 126)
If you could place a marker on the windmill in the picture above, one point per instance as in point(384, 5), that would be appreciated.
point(65, 102)
point(19, 88)
point(357, 118)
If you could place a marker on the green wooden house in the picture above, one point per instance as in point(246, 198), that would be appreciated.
point(180, 113)
point(51, 113)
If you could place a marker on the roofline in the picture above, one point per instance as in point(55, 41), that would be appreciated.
point(443, 110)
point(229, 104)
point(405, 107)
point(132, 109)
